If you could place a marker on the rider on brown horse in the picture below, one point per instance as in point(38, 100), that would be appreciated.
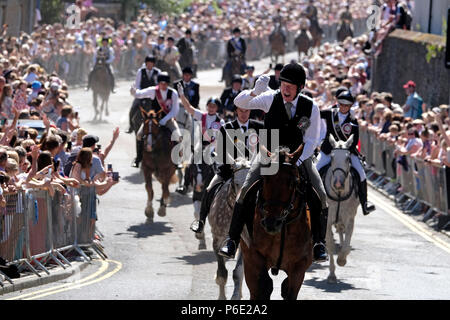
point(164, 99)
point(296, 119)
point(107, 53)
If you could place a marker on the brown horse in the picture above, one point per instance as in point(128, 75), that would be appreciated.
point(345, 30)
point(316, 33)
point(303, 41)
point(277, 44)
point(281, 235)
point(101, 87)
point(157, 161)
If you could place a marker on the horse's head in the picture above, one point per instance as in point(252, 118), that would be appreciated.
point(240, 169)
point(101, 61)
point(150, 117)
point(280, 199)
point(340, 163)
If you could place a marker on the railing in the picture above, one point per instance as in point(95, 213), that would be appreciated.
point(416, 184)
point(37, 229)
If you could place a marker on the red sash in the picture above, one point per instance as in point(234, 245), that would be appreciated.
point(165, 105)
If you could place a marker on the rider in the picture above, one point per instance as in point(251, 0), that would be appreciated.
point(297, 119)
point(341, 124)
point(248, 79)
point(311, 13)
point(187, 50)
point(172, 56)
point(191, 92)
point(244, 124)
point(209, 120)
point(107, 53)
point(146, 77)
point(164, 99)
point(236, 47)
point(228, 95)
point(274, 82)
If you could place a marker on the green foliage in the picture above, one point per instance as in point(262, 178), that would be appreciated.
point(52, 11)
point(432, 51)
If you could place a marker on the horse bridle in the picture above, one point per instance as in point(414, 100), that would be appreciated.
point(288, 207)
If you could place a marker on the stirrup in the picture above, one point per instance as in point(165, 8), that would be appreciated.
point(197, 226)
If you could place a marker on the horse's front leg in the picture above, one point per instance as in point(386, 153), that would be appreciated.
point(331, 249)
point(148, 186)
point(256, 274)
point(238, 277)
point(95, 99)
point(345, 249)
point(292, 284)
point(164, 199)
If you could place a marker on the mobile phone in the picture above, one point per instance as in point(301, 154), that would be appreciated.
point(115, 176)
point(270, 66)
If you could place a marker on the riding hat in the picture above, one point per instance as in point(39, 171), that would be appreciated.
point(278, 67)
point(249, 67)
point(346, 98)
point(340, 90)
point(215, 101)
point(188, 70)
point(293, 73)
point(235, 30)
point(150, 59)
point(171, 39)
point(164, 77)
point(236, 78)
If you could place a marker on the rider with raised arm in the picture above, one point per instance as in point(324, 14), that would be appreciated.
point(296, 119)
point(164, 100)
point(341, 124)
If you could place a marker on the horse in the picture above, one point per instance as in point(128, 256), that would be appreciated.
point(101, 87)
point(202, 176)
point(277, 44)
point(236, 66)
point(219, 219)
point(316, 33)
point(280, 236)
point(304, 42)
point(157, 162)
point(344, 30)
point(340, 182)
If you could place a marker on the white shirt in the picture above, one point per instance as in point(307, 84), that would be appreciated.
point(264, 101)
point(150, 93)
point(198, 115)
point(243, 125)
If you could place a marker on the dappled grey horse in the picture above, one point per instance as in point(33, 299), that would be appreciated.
point(219, 219)
point(340, 185)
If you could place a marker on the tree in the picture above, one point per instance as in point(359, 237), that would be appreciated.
point(52, 11)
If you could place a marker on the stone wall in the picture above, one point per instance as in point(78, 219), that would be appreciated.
point(403, 58)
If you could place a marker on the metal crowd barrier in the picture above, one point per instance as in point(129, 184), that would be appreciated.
point(421, 183)
point(37, 229)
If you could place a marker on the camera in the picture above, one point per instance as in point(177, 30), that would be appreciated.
point(115, 176)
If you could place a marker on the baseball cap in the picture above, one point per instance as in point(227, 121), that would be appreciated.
point(89, 140)
point(36, 85)
point(410, 83)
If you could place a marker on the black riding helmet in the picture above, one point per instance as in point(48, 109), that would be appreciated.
point(150, 59)
point(236, 78)
point(294, 73)
point(215, 101)
point(164, 77)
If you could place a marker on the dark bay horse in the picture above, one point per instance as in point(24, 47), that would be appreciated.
point(277, 44)
point(281, 233)
point(101, 87)
point(303, 42)
point(344, 30)
point(157, 162)
point(316, 33)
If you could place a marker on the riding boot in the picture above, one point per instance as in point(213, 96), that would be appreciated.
point(319, 232)
point(234, 234)
point(139, 153)
point(207, 199)
point(89, 81)
point(367, 207)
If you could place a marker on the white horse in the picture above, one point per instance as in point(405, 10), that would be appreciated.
point(219, 219)
point(343, 200)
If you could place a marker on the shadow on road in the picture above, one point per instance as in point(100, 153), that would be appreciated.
point(144, 230)
point(135, 178)
point(178, 200)
point(322, 284)
point(200, 257)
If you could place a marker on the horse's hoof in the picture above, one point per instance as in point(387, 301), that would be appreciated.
point(341, 262)
point(332, 279)
point(202, 246)
point(149, 213)
point(200, 236)
point(236, 297)
point(162, 211)
point(149, 221)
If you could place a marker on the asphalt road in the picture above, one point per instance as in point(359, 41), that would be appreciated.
point(393, 256)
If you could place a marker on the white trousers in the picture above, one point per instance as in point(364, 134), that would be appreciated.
point(325, 159)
